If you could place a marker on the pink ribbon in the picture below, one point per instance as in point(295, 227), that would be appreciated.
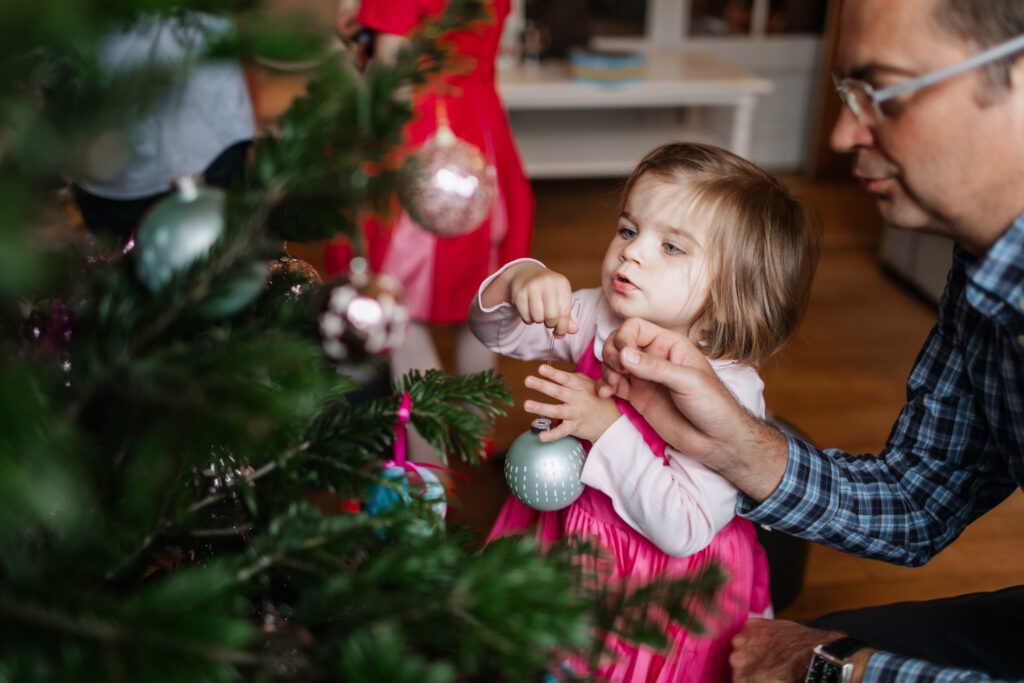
point(401, 442)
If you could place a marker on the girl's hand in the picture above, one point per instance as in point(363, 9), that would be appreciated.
point(542, 296)
point(583, 413)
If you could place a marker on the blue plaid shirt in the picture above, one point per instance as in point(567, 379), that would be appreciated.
point(955, 452)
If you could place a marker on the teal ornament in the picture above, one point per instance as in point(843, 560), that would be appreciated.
point(243, 284)
point(404, 483)
point(179, 230)
point(544, 476)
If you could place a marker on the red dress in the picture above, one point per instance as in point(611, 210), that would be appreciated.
point(440, 275)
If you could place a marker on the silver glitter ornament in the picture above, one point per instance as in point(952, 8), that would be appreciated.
point(544, 476)
point(225, 472)
point(448, 187)
point(363, 315)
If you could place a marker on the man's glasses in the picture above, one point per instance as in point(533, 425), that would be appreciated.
point(866, 103)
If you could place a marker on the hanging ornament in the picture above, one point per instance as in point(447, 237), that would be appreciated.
point(51, 325)
point(544, 476)
point(181, 229)
point(448, 185)
point(407, 476)
point(297, 278)
point(222, 474)
point(405, 481)
point(363, 315)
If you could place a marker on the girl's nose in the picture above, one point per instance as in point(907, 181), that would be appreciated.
point(632, 252)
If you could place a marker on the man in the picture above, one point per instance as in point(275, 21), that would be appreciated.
point(934, 118)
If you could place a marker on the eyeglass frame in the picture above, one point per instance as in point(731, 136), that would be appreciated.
point(877, 97)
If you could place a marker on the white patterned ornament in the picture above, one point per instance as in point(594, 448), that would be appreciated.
point(364, 314)
point(544, 476)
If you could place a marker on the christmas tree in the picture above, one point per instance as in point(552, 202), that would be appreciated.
point(185, 474)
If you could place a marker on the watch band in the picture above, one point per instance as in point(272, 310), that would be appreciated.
point(842, 648)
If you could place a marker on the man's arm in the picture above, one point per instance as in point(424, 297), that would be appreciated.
point(779, 650)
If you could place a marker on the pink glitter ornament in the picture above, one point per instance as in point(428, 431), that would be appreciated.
point(449, 186)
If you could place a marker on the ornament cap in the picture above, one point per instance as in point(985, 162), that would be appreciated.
point(540, 424)
point(188, 186)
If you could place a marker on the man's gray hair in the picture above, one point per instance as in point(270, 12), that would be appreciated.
point(985, 23)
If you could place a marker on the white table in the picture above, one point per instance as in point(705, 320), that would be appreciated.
point(566, 128)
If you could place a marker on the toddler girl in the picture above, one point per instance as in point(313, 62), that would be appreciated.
point(709, 245)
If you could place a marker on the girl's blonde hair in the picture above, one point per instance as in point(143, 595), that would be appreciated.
point(762, 253)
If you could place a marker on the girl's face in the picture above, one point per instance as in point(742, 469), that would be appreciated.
point(656, 267)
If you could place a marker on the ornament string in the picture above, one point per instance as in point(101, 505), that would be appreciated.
point(401, 442)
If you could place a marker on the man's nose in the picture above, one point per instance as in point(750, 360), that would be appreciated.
point(848, 133)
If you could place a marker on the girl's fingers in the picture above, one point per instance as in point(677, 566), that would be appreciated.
point(563, 429)
point(552, 312)
point(573, 380)
point(555, 412)
point(561, 327)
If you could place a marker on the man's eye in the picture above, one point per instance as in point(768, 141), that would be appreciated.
point(893, 106)
point(627, 233)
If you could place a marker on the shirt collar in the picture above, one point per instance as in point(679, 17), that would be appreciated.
point(999, 273)
point(607, 322)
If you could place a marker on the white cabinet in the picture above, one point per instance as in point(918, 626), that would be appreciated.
point(753, 94)
point(569, 128)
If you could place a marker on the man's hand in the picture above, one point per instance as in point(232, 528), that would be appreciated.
point(697, 415)
point(582, 412)
point(772, 650)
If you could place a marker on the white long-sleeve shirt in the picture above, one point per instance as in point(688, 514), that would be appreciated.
point(680, 507)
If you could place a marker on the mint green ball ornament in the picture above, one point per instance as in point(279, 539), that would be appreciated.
point(544, 476)
point(181, 229)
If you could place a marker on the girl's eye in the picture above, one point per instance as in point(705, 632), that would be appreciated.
point(672, 249)
point(626, 232)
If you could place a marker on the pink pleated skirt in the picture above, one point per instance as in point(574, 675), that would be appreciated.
point(629, 559)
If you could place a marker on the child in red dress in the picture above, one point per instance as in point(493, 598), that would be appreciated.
point(440, 274)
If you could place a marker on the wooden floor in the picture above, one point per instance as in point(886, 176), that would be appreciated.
point(841, 382)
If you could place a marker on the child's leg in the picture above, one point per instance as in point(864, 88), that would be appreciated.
point(473, 356)
point(470, 354)
point(417, 353)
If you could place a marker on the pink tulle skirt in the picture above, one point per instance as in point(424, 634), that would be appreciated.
point(630, 559)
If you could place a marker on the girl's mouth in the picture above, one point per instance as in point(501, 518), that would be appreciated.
point(623, 284)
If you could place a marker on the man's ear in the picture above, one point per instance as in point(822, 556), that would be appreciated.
point(1016, 91)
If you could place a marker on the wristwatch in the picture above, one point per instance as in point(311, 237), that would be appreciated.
point(830, 661)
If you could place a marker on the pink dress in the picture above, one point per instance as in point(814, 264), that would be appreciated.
point(632, 559)
point(441, 274)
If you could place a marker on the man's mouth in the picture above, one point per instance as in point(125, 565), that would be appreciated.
point(874, 185)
